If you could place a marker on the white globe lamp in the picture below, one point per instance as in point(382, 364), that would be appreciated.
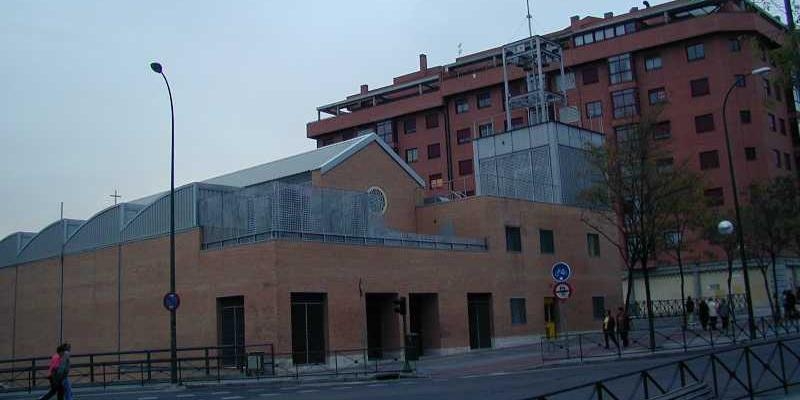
point(725, 227)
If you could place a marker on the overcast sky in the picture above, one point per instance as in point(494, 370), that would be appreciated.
point(81, 113)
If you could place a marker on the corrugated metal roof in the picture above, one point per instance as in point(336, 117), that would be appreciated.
point(325, 158)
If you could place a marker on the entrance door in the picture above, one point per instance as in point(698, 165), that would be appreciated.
point(308, 328)
point(374, 326)
point(479, 311)
point(230, 330)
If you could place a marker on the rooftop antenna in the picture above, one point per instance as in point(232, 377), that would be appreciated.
point(530, 30)
point(115, 196)
point(460, 49)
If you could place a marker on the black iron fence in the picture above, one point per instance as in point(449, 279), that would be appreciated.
point(674, 307)
point(737, 372)
point(216, 363)
point(590, 345)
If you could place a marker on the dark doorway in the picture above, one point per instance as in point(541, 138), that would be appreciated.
point(230, 330)
point(551, 317)
point(423, 318)
point(308, 328)
point(479, 310)
point(383, 329)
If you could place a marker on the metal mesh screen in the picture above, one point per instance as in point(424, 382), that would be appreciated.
point(521, 175)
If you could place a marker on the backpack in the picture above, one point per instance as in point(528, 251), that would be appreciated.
point(62, 371)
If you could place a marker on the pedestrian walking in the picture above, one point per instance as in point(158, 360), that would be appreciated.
point(702, 314)
point(609, 329)
point(53, 376)
point(63, 371)
point(623, 325)
point(713, 314)
point(689, 310)
point(791, 303)
point(724, 314)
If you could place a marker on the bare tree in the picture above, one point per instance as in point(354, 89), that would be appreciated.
point(771, 226)
point(632, 201)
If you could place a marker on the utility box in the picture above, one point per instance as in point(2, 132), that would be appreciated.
point(255, 363)
point(412, 347)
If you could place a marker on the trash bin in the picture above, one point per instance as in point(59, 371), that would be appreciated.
point(550, 330)
point(412, 347)
point(255, 363)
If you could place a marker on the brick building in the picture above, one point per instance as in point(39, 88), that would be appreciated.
point(307, 253)
point(679, 57)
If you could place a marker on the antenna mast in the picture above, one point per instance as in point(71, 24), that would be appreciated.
point(530, 30)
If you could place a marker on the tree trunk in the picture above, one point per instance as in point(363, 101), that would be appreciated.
point(649, 304)
point(777, 313)
point(766, 287)
point(731, 307)
point(683, 291)
point(630, 289)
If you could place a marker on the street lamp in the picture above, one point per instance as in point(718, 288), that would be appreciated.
point(739, 236)
point(171, 299)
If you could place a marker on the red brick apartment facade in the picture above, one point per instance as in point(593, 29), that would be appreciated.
point(680, 56)
point(493, 290)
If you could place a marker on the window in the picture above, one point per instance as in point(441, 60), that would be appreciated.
point(695, 52)
point(434, 151)
point(662, 131)
point(771, 120)
point(652, 63)
point(624, 102)
point(658, 95)
point(777, 155)
point(435, 181)
point(620, 69)
point(517, 122)
point(767, 87)
point(485, 130)
point(465, 167)
point(664, 164)
point(484, 100)
point(782, 126)
point(594, 109)
point(546, 243)
point(566, 82)
point(348, 135)
point(593, 244)
point(463, 135)
point(744, 116)
point(518, 314)
point(704, 123)
point(787, 161)
point(709, 160)
point(714, 197)
point(741, 80)
point(734, 45)
point(624, 132)
point(750, 153)
point(412, 155)
point(513, 239)
point(590, 75)
point(432, 120)
point(385, 132)
point(598, 307)
point(699, 87)
point(462, 106)
point(410, 125)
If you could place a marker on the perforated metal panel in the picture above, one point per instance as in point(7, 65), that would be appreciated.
point(103, 229)
point(49, 241)
point(11, 245)
point(154, 219)
point(576, 174)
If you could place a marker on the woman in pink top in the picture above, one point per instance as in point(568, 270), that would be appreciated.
point(56, 388)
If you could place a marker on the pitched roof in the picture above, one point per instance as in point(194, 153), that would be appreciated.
point(323, 158)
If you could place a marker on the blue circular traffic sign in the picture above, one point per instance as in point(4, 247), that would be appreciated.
point(561, 272)
point(172, 301)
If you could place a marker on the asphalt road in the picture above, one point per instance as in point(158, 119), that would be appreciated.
point(515, 384)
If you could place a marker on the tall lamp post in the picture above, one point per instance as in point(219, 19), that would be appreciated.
point(171, 299)
point(739, 235)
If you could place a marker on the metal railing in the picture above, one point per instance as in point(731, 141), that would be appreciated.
point(216, 363)
point(674, 307)
point(739, 372)
point(591, 345)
